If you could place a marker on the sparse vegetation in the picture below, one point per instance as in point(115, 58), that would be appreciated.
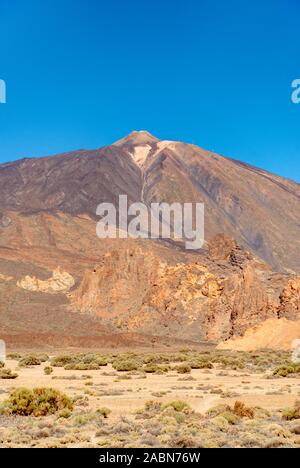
point(80, 361)
point(48, 370)
point(176, 417)
point(30, 360)
point(125, 365)
point(155, 368)
point(105, 412)
point(183, 368)
point(7, 374)
point(285, 370)
point(201, 364)
point(177, 405)
point(36, 402)
point(292, 413)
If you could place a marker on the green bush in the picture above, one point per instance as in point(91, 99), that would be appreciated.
point(7, 374)
point(230, 417)
point(156, 359)
point(154, 368)
point(285, 370)
point(201, 364)
point(14, 356)
point(79, 361)
point(105, 412)
point(183, 368)
point(177, 405)
point(36, 402)
point(62, 360)
point(81, 366)
point(30, 360)
point(65, 413)
point(232, 362)
point(125, 365)
point(292, 413)
point(48, 370)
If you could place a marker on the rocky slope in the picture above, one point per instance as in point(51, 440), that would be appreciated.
point(211, 298)
point(258, 209)
point(58, 279)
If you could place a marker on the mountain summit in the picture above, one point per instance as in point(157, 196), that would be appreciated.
point(258, 209)
point(140, 137)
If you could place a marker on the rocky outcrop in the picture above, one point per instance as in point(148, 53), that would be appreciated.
point(135, 291)
point(290, 300)
point(61, 281)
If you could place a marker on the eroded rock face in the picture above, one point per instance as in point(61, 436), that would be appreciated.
point(204, 300)
point(61, 281)
point(290, 300)
point(117, 284)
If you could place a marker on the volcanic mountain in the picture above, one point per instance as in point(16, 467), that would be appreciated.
point(60, 283)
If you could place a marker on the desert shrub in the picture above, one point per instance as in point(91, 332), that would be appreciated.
point(105, 412)
point(199, 364)
point(48, 370)
point(81, 366)
point(7, 374)
point(153, 406)
point(292, 413)
point(91, 358)
point(2, 364)
point(156, 359)
point(154, 368)
point(232, 362)
point(62, 360)
point(217, 410)
point(183, 368)
point(230, 417)
point(43, 357)
point(177, 405)
point(125, 365)
point(180, 418)
point(285, 370)
point(79, 361)
point(36, 402)
point(183, 442)
point(240, 409)
point(65, 413)
point(14, 355)
point(30, 360)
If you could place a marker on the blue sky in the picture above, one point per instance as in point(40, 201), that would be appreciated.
point(81, 74)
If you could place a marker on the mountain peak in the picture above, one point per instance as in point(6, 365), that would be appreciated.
point(137, 137)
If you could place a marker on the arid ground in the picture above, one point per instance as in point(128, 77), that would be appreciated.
point(185, 398)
